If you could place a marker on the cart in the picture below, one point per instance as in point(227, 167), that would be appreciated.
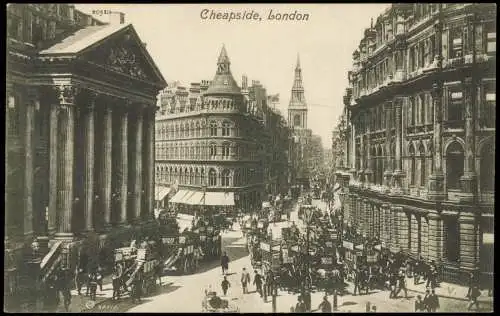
point(214, 304)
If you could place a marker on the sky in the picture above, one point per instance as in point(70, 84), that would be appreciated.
point(185, 47)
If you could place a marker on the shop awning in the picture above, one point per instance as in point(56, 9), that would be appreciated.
point(179, 196)
point(195, 199)
point(161, 192)
point(186, 197)
point(219, 198)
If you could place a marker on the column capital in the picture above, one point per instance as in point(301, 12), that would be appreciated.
point(67, 94)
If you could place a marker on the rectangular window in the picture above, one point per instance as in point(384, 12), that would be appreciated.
point(488, 113)
point(456, 44)
point(491, 38)
point(455, 106)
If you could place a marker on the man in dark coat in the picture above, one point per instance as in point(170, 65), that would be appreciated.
point(224, 262)
point(257, 281)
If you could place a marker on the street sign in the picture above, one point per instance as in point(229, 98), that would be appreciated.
point(265, 246)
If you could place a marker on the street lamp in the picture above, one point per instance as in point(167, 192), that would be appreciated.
point(308, 213)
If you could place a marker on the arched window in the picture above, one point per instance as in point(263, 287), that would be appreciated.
point(197, 147)
point(213, 128)
point(423, 167)
point(198, 129)
point(296, 120)
point(213, 150)
point(358, 158)
point(212, 178)
point(487, 168)
point(412, 159)
point(454, 165)
point(202, 177)
point(186, 175)
point(225, 150)
point(181, 176)
point(226, 129)
point(191, 176)
point(237, 178)
point(374, 164)
point(225, 176)
point(196, 176)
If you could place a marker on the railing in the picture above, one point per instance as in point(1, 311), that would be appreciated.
point(50, 261)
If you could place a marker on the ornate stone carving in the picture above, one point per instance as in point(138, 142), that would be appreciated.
point(66, 94)
point(123, 60)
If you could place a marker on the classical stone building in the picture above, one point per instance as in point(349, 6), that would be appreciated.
point(80, 113)
point(208, 143)
point(420, 134)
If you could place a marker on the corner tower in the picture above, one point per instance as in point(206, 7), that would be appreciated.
point(297, 109)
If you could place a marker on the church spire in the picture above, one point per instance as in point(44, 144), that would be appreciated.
point(223, 82)
point(223, 58)
point(297, 108)
point(298, 62)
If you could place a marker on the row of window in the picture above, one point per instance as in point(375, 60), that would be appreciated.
point(180, 104)
point(419, 165)
point(196, 176)
point(420, 110)
point(212, 151)
point(421, 55)
point(194, 129)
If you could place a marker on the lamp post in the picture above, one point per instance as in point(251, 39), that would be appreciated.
point(308, 212)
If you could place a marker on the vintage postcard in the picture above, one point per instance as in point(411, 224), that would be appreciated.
point(272, 158)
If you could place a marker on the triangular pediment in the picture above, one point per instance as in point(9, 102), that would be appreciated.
point(124, 53)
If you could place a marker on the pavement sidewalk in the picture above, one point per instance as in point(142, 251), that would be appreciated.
point(447, 290)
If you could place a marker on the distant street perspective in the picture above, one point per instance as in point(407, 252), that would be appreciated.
point(297, 158)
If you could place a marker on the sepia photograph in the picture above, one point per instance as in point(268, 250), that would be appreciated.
point(250, 158)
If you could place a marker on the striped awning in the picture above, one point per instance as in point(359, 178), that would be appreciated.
point(178, 196)
point(186, 197)
point(161, 192)
point(195, 199)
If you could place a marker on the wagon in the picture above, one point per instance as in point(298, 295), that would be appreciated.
point(214, 304)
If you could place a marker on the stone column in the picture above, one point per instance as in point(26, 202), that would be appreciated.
point(398, 173)
point(353, 148)
point(468, 243)
point(29, 124)
point(414, 236)
point(367, 217)
point(67, 94)
point(360, 216)
point(394, 243)
point(138, 165)
point(123, 165)
point(436, 237)
point(469, 179)
point(436, 179)
point(424, 237)
point(89, 134)
point(402, 228)
point(150, 143)
point(106, 167)
point(369, 159)
point(53, 167)
point(388, 134)
point(385, 223)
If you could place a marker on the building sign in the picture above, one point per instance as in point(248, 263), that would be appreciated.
point(168, 240)
point(265, 246)
point(348, 245)
point(326, 260)
point(182, 239)
point(371, 258)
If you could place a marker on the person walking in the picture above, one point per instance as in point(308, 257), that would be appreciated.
point(357, 281)
point(93, 285)
point(300, 307)
point(64, 287)
point(475, 293)
point(257, 281)
point(225, 285)
point(426, 300)
point(402, 285)
point(80, 280)
point(433, 301)
point(473, 281)
point(419, 304)
point(137, 288)
point(224, 262)
point(116, 280)
point(393, 280)
point(325, 305)
point(99, 278)
point(245, 279)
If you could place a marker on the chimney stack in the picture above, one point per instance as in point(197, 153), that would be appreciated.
point(117, 18)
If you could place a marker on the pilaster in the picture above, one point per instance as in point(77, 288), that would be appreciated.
point(388, 133)
point(106, 167)
point(398, 174)
point(122, 176)
point(436, 237)
point(402, 228)
point(414, 235)
point(53, 167)
point(468, 243)
point(29, 124)
point(138, 165)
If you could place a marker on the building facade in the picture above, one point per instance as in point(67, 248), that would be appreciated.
point(420, 134)
point(81, 102)
point(208, 143)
